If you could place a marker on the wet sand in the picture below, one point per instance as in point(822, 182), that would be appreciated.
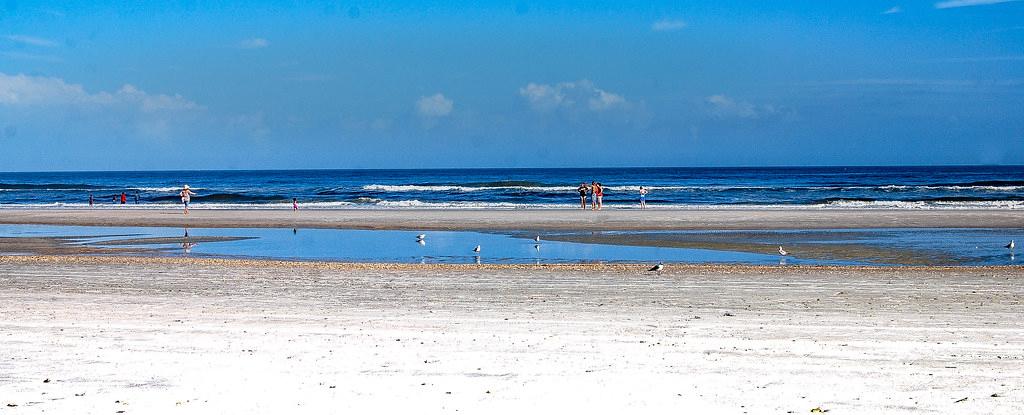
point(539, 219)
point(163, 335)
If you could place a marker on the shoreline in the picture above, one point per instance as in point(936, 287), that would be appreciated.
point(526, 219)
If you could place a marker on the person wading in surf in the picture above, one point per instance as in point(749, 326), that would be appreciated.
point(186, 196)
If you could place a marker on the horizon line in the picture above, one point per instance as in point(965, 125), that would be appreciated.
point(524, 168)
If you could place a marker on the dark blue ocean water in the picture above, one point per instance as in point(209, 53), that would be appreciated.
point(857, 187)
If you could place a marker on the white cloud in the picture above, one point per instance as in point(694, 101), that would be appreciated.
point(571, 95)
point(668, 25)
point(31, 41)
point(51, 104)
point(964, 3)
point(38, 91)
point(434, 106)
point(722, 106)
point(893, 10)
point(253, 43)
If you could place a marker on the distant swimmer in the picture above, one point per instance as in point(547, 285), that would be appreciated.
point(186, 197)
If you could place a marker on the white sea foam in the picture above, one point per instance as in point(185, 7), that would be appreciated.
point(417, 204)
point(445, 188)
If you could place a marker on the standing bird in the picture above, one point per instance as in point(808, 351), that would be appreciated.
point(1011, 245)
point(657, 268)
point(537, 239)
point(421, 237)
point(782, 251)
point(477, 249)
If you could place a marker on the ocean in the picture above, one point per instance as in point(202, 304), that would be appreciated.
point(938, 187)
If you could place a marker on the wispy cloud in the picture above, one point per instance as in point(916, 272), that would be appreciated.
point(308, 77)
point(972, 59)
point(31, 41)
point(893, 10)
point(31, 57)
point(930, 85)
point(965, 3)
point(722, 106)
point(434, 106)
point(668, 25)
point(570, 95)
point(253, 43)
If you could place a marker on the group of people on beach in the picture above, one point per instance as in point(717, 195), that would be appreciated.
point(123, 198)
point(592, 190)
point(595, 191)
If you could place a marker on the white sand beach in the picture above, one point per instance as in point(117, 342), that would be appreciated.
point(158, 335)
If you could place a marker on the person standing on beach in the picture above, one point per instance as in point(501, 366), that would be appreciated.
point(583, 195)
point(643, 198)
point(186, 196)
point(90, 200)
point(295, 204)
point(599, 195)
point(124, 198)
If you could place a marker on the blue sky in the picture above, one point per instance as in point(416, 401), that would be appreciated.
point(99, 85)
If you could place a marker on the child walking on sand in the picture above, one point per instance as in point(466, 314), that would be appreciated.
point(295, 204)
point(186, 196)
point(643, 198)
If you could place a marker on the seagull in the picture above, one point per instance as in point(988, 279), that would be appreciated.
point(421, 237)
point(1011, 245)
point(657, 268)
point(477, 249)
point(537, 239)
point(782, 251)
